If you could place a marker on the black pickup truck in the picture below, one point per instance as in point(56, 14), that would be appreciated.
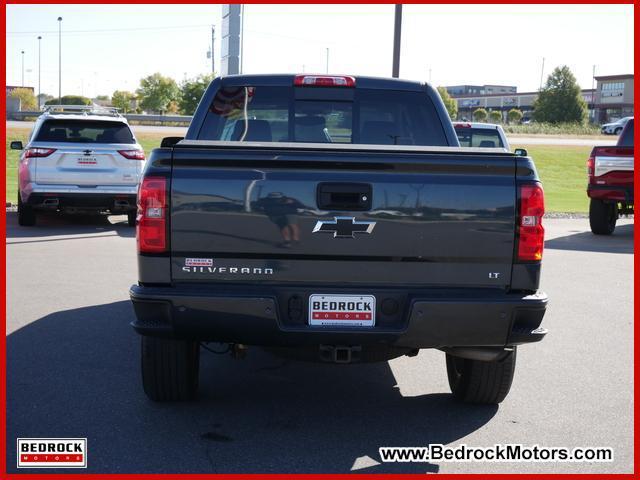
point(335, 218)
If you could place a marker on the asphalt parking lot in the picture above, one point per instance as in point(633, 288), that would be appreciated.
point(73, 371)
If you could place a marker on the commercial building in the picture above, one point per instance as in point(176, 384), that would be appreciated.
point(612, 99)
point(456, 90)
point(505, 102)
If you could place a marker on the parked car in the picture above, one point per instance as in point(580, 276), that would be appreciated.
point(610, 186)
point(79, 160)
point(615, 128)
point(484, 135)
point(307, 267)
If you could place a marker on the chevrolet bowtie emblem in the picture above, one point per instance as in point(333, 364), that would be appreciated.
point(344, 227)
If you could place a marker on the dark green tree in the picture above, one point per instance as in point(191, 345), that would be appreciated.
point(514, 115)
point(450, 104)
point(156, 92)
point(69, 100)
point(480, 115)
point(560, 100)
point(191, 92)
point(495, 116)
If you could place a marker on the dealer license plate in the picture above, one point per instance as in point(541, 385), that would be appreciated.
point(343, 310)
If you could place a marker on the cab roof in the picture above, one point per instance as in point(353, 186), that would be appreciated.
point(286, 80)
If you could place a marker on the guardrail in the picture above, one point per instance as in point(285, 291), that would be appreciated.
point(136, 118)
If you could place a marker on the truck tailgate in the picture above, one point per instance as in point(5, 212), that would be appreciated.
point(440, 219)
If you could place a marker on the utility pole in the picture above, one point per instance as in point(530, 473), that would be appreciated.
point(397, 30)
point(213, 38)
point(39, 70)
point(327, 67)
point(22, 52)
point(59, 60)
point(242, 37)
point(592, 111)
point(541, 73)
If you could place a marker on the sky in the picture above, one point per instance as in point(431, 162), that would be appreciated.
point(110, 47)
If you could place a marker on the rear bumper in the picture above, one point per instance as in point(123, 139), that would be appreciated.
point(278, 317)
point(617, 193)
point(52, 200)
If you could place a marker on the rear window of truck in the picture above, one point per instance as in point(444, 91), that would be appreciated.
point(322, 115)
point(626, 137)
point(479, 137)
point(84, 131)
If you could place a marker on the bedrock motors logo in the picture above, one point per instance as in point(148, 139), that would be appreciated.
point(52, 453)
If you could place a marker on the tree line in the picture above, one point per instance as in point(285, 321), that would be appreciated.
point(559, 101)
point(156, 94)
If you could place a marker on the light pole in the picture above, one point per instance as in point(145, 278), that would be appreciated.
point(59, 60)
point(397, 29)
point(22, 52)
point(39, 69)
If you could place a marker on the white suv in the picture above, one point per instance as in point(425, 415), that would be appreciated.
point(485, 135)
point(79, 160)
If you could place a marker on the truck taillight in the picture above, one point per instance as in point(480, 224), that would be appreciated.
point(591, 165)
point(530, 229)
point(151, 225)
point(323, 81)
point(38, 152)
point(132, 154)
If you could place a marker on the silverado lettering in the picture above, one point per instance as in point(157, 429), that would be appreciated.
point(254, 271)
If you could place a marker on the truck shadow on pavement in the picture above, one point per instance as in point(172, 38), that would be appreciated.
point(621, 241)
point(81, 226)
point(76, 373)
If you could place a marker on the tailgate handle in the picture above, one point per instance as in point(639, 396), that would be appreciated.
point(344, 196)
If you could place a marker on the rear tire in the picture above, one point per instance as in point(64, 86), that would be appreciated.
point(26, 214)
point(131, 218)
point(170, 369)
point(475, 381)
point(617, 131)
point(602, 217)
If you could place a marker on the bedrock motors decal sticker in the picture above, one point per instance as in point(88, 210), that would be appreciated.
point(52, 453)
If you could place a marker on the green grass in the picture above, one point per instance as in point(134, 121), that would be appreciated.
point(563, 172)
point(562, 169)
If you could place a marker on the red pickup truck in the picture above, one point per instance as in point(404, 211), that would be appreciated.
point(610, 187)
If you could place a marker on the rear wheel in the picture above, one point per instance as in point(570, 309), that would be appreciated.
point(131, 218)
point(170, 368)
point(602, 217)
point(475, 381)
point(26, 214)
point(618, 131)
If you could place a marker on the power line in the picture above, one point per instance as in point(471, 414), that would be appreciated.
point(109, 30)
